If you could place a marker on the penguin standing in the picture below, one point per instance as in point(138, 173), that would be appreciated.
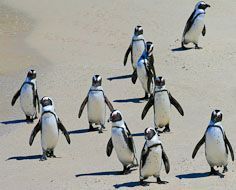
point(161, 101)
point(29, 99)
point(151, 157)
point(96, 108)
point(122, 140)
point(49, 125)
point(145, 69)
point(216, 144)
point(136, 49)
point(195, 25)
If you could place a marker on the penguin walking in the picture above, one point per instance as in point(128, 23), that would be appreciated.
point(136, 49)
point(151, 157)
point(122, 141)
point(216, 144)
point(29, 99)
point(195, 25)
point(49, 125)
point(161, 101)
point(96, 108)
point(145, 69)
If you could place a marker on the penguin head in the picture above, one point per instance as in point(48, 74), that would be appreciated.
point(138, 30)
point(201, 5)
point(149, 48)
point(149, 133)
point(31, 74)
point(97, 80)
point(216, 116)
point(160, 81)
point(46, 101)
point(115, 116)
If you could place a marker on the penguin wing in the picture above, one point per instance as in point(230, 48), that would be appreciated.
point(129, 139)
point(166, 161)
point(176, 104)
point(82, 106)
point(230, 147)
point(108, 103)
point(36, 129)
point(109, 147)
point(204, 30)
point(144, 155)
point(134, 76)
point(37, 99)
point(147, 107)
point(127, 54)
point(15, 97)
point(199, 144)
point(189, 23)
point(63, 129)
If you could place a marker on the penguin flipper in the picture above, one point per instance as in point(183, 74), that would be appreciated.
point(36, 129)
point(166, 161)
point(134, 76)
point(174, 102)
point(129, 139)
point(127, 54)
point(144, 155)
point(15, 97)
point(230, 147)
point(64, 131)
point(82, 106)
point(199, 144)
point(37, 99)
point(109, 147)
point(147, 107)
point(204, 30)
point(108, 103)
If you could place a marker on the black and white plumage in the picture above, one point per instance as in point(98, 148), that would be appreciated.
point(96, 101)
point(152, 156)
point(136, 48)
point(29, 99)
point(161, 101)
point(122, 141)
point(49, 125)
point(145, 69)
point(195, 25)
point(217, 145)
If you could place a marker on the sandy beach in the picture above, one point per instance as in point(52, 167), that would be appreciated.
point(67, 42)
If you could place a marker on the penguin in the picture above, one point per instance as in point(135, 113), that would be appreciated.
point(29, 99)
point(161, 101)
point(145, 69)
point(151, 157)
point(195, 25)
point(136, 48)
point(216, 144)
point(49, 125)
point(122, 141)
point(96, 108)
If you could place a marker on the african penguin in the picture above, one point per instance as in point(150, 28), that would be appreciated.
point(136, 49)
point(216, 144)
point(151, 157)
point(195, 25)
point(145, 69)
point(49, 125)
point(96, 108)
point(161, 101)
point(122, 140)
point(29, 99)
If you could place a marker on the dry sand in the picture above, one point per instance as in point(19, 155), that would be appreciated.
point(69, 41)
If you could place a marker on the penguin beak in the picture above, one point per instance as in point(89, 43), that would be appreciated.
point(207, 5)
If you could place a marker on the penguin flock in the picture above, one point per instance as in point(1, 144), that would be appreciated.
point(153, 156)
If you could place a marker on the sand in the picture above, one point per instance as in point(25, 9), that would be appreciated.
point(67, 42)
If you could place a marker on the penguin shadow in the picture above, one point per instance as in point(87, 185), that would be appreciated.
point(138, 134)
point(11, 122)
point(196, 175)
point(81, 131)
point(181, 49)
point(127, 184)
point(119, 77)
point(19, 158)
point(132, 100)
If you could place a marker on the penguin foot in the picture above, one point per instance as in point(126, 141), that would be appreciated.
point(159, 181)
point(146, 97)
point(100, 130)
point(91, 128)
point(103, 126)
point(215, 172)
point(43, 158)
point(143, 183)
point(167, 129)
point(126, 170)
point(183, 47)
point(197, 47)
point(225, 169)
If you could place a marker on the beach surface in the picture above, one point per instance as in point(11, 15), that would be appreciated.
point(67, 42)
